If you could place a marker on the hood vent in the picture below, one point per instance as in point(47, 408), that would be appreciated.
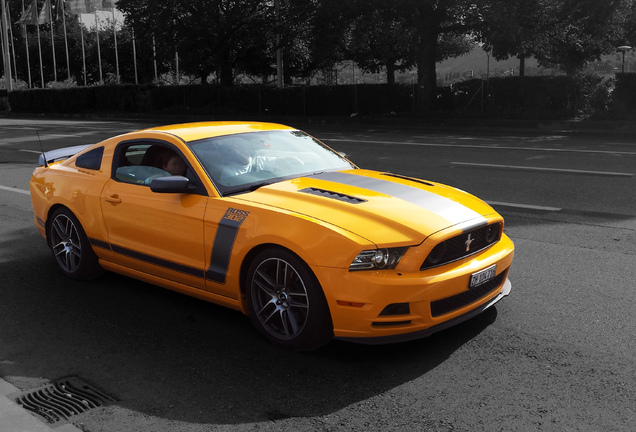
point(333, 195)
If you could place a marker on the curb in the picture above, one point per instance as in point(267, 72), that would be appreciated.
point(14, 418)
point(482, 124)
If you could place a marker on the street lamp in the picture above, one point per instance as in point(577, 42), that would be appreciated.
point(622, 49)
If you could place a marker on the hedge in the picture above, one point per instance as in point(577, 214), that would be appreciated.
point(553, 97)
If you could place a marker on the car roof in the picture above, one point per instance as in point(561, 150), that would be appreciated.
point(194, 131)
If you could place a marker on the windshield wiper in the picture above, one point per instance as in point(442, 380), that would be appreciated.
point(250, 188)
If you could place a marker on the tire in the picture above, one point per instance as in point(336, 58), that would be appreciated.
point(71, 249)
point(286, 303)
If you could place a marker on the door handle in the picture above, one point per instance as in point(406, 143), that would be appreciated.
point(113, 199)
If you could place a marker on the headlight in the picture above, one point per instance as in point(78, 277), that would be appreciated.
point(377, 259)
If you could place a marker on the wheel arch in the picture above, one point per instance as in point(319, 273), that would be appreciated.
point(319, 325)
point(249, 258)
point(49, 213)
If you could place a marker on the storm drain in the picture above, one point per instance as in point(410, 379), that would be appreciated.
point(62, 399)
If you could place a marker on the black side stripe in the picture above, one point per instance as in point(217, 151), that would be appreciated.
point(99, 243)
point(158, 261)
point(223, 244)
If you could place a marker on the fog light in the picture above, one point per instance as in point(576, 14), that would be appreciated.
point(396, 309)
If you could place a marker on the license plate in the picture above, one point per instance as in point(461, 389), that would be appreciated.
point(483, 276)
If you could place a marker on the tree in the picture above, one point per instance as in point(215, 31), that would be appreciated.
point(562, 33)
point(432, 21)
point(381, 40)
point(320, 33)
point(582, 31)
point(383, 37)
point(516, 28)
point(211, 35)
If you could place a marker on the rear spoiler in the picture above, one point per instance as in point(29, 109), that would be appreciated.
point(60, 154)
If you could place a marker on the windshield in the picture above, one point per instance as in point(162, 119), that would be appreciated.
point(243, 162)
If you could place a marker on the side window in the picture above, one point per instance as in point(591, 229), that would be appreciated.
point(141, 163)
point(91, 160)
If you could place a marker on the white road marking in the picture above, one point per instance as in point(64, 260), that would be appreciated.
point(31, 151)
point(22, 191)
point(491, 147)
point(34, 137)
point(561, 170)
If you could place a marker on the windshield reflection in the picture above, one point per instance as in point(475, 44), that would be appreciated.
point(243, 162)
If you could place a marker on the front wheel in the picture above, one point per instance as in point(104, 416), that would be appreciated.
point(286, 302)
point(71, 249)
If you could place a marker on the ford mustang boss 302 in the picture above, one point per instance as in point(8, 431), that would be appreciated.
point(265, 219)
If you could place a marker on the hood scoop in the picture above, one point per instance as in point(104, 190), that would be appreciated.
point(333, 195)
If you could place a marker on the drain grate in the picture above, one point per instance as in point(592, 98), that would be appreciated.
point(64, 398)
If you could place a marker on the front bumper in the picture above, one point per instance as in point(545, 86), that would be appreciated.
point(403, 337)
point(376, 307)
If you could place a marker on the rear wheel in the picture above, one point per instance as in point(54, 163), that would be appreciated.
point(286, 302)
point(71, 249)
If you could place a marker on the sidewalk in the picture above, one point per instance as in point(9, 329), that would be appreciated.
point(14, 418)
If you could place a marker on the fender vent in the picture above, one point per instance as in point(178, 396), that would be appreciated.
point(57, 402)
point(333, 195)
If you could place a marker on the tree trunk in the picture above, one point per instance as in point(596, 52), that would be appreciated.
point(426, 71)
point(522, 65)
point(390, 72)
point(227, 76)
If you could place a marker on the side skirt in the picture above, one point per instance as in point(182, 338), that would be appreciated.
point(174, 286)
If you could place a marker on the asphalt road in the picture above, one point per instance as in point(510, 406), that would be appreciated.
point(557, 355)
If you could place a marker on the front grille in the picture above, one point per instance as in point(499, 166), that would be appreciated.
point(463, 245)
point(449, 304)
point(57, 402)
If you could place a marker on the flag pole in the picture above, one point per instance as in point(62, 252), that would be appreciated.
point(99, 53)
point(68, 64)
point(6, 57)
point(154, 57)
point(52, 39)
point(176, 62)
point(83, 51)
point(11, 41)
point(115, 39)
point(26, 44)
point(134, 47)
point(37, 26)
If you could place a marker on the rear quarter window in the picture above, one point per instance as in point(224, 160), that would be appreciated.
point(91, 160)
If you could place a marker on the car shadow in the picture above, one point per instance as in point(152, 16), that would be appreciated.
point(170, 356)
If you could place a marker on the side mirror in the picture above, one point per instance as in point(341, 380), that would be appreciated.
point(170, 184)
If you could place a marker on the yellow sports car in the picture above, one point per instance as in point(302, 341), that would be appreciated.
point(267, 220)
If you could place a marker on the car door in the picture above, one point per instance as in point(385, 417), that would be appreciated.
point(156, 233)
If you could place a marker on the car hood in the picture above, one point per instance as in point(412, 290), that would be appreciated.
point(386, 209)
